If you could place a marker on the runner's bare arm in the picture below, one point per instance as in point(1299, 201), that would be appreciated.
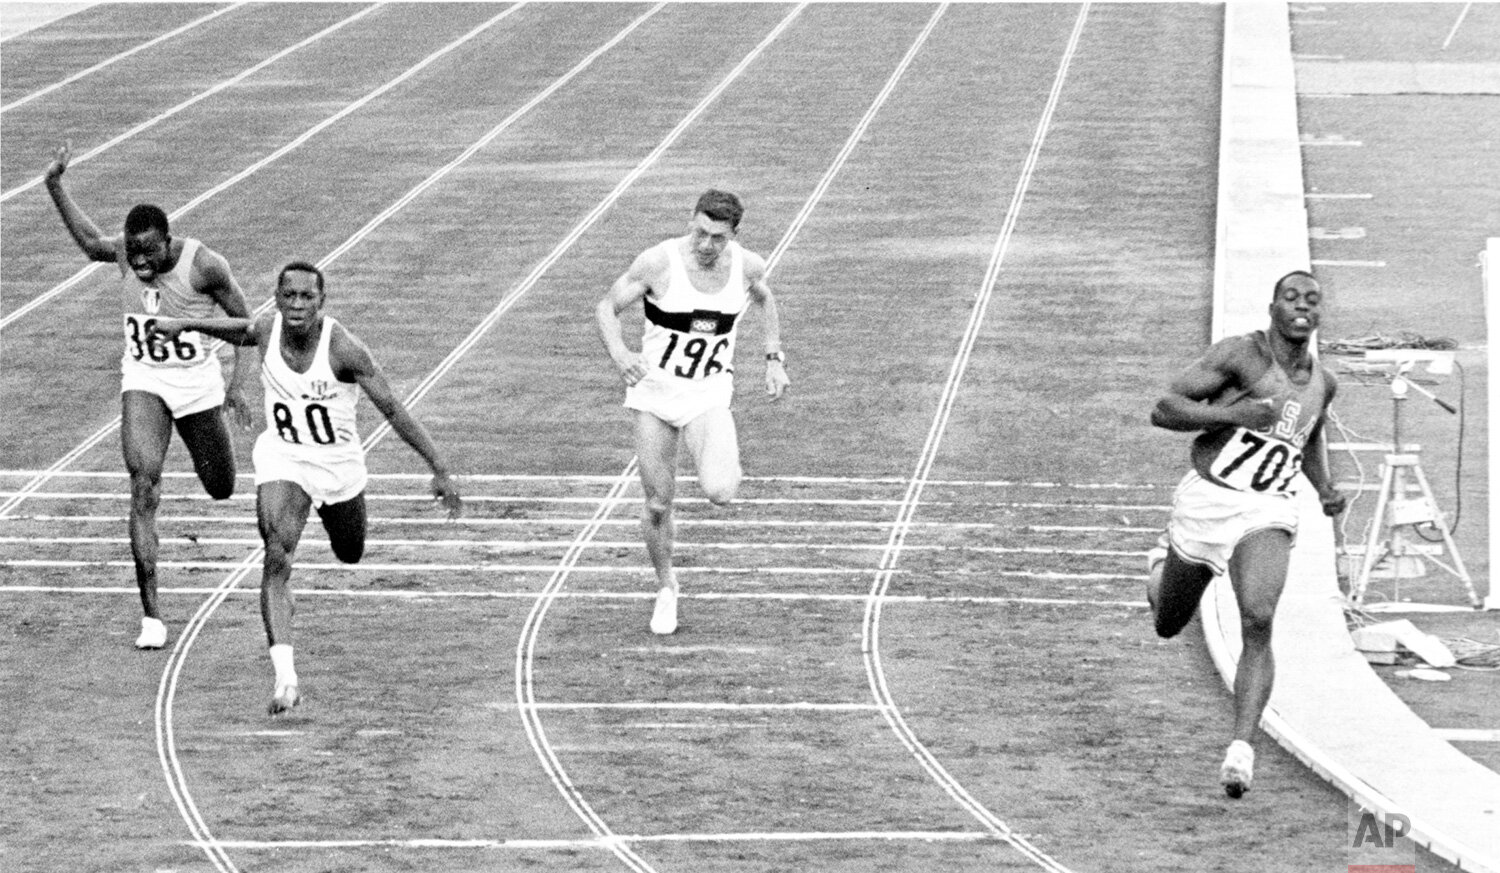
point(351, 360)
point(627, 291)
point(212, 276)
point(85, 232)
point(1185, 408)
point(1315, 459)
point(777, 380)
point(235, 331)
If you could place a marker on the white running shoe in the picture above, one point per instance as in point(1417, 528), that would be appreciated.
point(1238, 769)
point(284, 699)
point(664, 617)
point(153, 634)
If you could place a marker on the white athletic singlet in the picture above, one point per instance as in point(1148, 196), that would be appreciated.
point(169, 295)
point(690, 335)
point(309, 415)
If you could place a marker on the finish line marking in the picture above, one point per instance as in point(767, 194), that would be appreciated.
point(784, 837)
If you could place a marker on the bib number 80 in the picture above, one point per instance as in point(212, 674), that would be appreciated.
point(319, 424)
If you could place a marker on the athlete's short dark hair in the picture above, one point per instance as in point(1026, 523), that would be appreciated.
point(300, 267)
point(144, 217)
point(1276, 289)
point(721, 206)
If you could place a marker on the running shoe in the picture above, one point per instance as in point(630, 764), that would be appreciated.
point(153, 634)
point(664, 617)
point(285, 698)
point(1238, 769)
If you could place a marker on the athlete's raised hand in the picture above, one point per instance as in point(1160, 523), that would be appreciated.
point(60, 158)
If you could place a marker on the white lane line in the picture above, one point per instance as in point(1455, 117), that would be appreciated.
point(470, 521)
point(120, 496)
point(605, 480)
point(611, 841)
point(191, 101)
point(870, 643)
point(119, 57)
point(547, 545)
point(1456, 24)
point(789, 597)
point(525, 663)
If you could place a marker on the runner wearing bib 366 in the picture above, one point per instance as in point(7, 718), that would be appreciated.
point(1259, 401)
point(164, 384)
point(693, 290)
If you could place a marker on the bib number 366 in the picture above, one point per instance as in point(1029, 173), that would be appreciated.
point(141, 345)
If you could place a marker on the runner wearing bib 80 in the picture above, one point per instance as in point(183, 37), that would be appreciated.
point(1259, 402)
point(310, 457)
point(164, 385)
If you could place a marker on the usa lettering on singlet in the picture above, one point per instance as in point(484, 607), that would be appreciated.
point(690, 334)
point(312, 413)
point(1267, 461)
point(169, 295)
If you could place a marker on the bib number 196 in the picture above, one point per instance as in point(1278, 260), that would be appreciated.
point(693, 350)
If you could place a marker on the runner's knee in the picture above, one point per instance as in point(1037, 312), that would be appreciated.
point(720, 490)
point(145, 490)
point(658, 510)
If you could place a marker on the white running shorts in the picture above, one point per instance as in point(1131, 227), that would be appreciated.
point(1208, 521)
point(185, 390)
point(333, 480)
point(679, 401)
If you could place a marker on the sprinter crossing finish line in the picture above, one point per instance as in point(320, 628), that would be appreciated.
point(1259, 402)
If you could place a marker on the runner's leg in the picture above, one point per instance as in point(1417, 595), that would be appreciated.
point(207, 440)
point(346, 524)
point(281, 509)
point(714, 447)
point(145, 432)
point(1177, 595)
point(656, 447)
point(1258, 571)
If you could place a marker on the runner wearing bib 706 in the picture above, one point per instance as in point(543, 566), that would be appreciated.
point(1259, 402)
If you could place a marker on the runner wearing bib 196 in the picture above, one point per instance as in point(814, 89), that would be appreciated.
point(1259, 402)
point(164, 385)
point(309, 456)
point(693, 289)
point(689, 341)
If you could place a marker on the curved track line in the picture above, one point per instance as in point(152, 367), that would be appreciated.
point(196, 98)
point(256, 167)
point(119, 57)
point(874, 666)
point(526, 702)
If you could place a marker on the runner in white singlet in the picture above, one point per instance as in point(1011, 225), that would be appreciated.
point(1259, 402)
point(163, 385)
point(310, 456)
point(693, 290)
